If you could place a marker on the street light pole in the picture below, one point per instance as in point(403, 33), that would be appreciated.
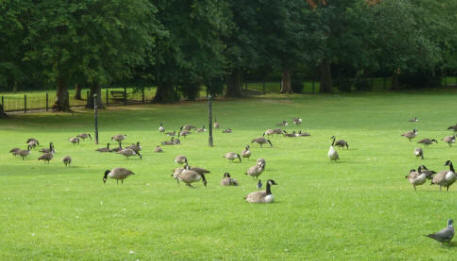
point(210, 118)
point(96, 118)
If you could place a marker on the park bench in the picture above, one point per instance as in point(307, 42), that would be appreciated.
point(119, 95)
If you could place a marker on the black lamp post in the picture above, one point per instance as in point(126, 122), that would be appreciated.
point(96, 118)
point(210, 118)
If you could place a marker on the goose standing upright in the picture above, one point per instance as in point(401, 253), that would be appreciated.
point(66, 160)
point(48, 150)
point(24, 153)
point(332, 153)
point(449, 140)
point(445, 178)
point(46, 157)
point(416, 178)
point(262, 196)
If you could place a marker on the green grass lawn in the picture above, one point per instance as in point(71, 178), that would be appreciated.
point(361, 208)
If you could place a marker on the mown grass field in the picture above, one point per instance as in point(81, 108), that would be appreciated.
point(361, 208)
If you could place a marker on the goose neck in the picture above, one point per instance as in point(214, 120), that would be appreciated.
point(268, 188)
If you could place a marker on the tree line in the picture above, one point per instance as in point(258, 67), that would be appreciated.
point(181, 45)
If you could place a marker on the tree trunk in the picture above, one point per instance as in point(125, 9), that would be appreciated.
point(63, 102)
point(234, 84)
point(2, 112)
point(78, 90)
point(286, 86)
point(94, 89)
point(326, 77)
point(395, 83)
point(165, 94)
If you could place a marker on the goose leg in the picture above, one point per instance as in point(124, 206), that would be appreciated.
point(414, 187)
point(117, 181)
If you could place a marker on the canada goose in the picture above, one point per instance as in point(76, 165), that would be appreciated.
point(176, 141)
point(189, 176)
point(303, 134)
point(416, 178)
point(290, 135)
point(227, 130)
point(202, 129)
point(33, 142)
point(427, 141)
point(449, 140)
point(181, 159)
point(332, 153)
point(282, 124)
point(228, 181)
point(129, 152)
point(46, 157)
point(184, 133)
point(297, 121)
point(445, 178)
point(66, 160)
point(161, 128)
point(262, 196)
point(136, 147)
point(84, 136)
point(119, 138)
point(342, 144)
point(259, 184)
point(419, 153)
point(256, 170)
point(216, 124)
point(246, 153)
point(261, 141)
point(171, 133)
point(453, 127)
point(74, 140)
point(272, 131)
point(48, 150)
point(176, 172)
point(200, 171)
point(188, 127)
point(105, 149)
point(445, 235)
point(410, 134)
point(24, 153)
point(170, 142)
point(232, 156)
point(415, 119)
point(429, 173)
point(158, 149)
point(15, 151)
point(117, 174)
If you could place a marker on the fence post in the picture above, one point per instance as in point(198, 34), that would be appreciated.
point(47, 101)
point(125, 95)
point(25, 103)
point(3, 102)
point(142, 95)
point(107, 98)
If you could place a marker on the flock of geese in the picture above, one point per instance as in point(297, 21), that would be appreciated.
point(191, 174)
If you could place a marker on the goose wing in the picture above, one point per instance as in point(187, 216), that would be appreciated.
point(256, 197)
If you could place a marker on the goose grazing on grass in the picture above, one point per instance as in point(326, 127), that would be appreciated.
point(262, 196)
point(216, 124)
point(255, 170)
point(136, 147)
point(24, 153)
point(428, 173)
point(297, 121)
point(410, 134)
point(84, 136)
point(171, 133)
point(46, 157)
point(228, 181)
point(202, 129)
point(415, 119)
point(117, 174)
point(181, 159)
point(259, 184)
point(189, 176)
point(272, 131)
point(342, 144)
point(161, 128)
point(227, 130)
point(453, 127)
point(418, 152)
point(48, 150)
point(105, 149)
point(246, 153)
point(33, 142)
point(232, 156)
point(15, 151)
point(445, 178)
point(332, 153)
point(416, 178)
point(66, 160)
point(74, 140)
point(158, 149)
point(445, 235)
point(427, 141)
point(129, 152)
point(119, 138)
point(449, 140)
point(261, 141)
